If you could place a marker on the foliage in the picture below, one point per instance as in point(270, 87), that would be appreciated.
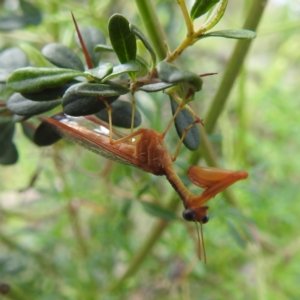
point(85, 230)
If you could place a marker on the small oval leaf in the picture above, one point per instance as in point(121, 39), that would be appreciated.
point(169, 73)
point(49, 94)
point(121, 114)
point(232, 34)
point(201, 7)
point(62, 57)
point(128, 67)
point(75, 104)
point(32, 80)
point(45, 135)
point(156, 87)
point(24, 107)
point(8, 153)
point(100, 89)
point(122, 39)
point(182, 121)
point(100, 72)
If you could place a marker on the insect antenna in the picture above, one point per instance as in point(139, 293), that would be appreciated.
point(200, 242)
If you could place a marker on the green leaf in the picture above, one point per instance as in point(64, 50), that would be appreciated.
point(46, 135)
point(83, 99)
point(158, 211)
point(156, 87)
point(24, 107)
point(49, 94)
point(103, 48)
point(62, 57)
point(201, 7)
point(170, 74)
point(32, 80)
point(100, 72)
point(182, 121)
point(121, 114)
point(145, 41)
point(122, 39)
point(100, 89)
point(232, 34)
point(35, 56)
point(129, 67)
point(91, 37)
point(8, 153)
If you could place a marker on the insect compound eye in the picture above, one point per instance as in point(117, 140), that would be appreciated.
point(205, 219)
point(188, 215)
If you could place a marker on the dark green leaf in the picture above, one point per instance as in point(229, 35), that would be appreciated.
point(232, 34)
point(100, 89)
point(91, 37)
point(75, 104)
point(22, 106)
point(155, 87)
point(32, 80)
point(45, 135)
point(7, 129)
point(49, 94)
point(122, 39)
point(8, 153)
point(100, 72)
point(158, 211)
point(145, 41)
point(182, 121)
point(201, 7)
point(128, 67)
point(121, 114)
point(62, 57)
point(170, 74)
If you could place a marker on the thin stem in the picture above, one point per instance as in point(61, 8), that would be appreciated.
point(192, 35)
point(234, 66)
point(150, 19)
point(186, 15)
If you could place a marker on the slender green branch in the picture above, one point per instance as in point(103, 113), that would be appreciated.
point(234, 65)
point(192, 35)
point(156, 34)
point(187, 18)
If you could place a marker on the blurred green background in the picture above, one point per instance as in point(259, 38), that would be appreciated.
point(75, 233)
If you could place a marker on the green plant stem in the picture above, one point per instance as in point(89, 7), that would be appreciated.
point(156, 34)
point(186, 15)
point(234, 66)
